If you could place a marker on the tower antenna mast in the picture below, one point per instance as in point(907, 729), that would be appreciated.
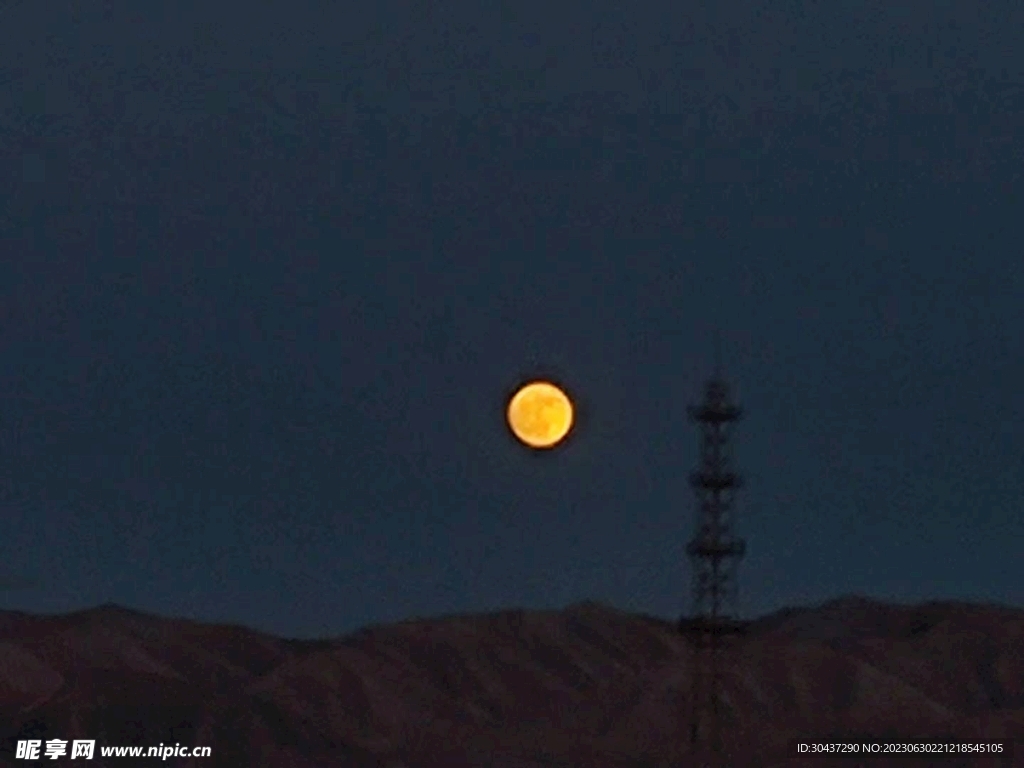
point(714, 552)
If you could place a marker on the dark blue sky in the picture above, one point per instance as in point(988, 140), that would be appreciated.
point(267, 276)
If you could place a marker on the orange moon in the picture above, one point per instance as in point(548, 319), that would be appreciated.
point(540, 414)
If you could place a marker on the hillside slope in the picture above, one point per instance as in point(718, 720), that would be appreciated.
point(587, 686)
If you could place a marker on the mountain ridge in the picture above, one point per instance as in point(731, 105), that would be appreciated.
point(588, 685)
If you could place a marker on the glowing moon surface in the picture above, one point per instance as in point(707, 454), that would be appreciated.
point(540, 414)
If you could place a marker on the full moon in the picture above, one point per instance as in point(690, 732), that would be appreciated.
point(540, 414)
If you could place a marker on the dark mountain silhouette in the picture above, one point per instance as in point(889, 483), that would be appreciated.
point(587, 686)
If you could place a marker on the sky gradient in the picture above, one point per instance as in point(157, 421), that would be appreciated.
point(267, 278)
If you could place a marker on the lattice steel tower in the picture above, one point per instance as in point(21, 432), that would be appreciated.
point(715, 552)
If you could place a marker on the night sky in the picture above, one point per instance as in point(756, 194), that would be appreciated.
point(268, 274)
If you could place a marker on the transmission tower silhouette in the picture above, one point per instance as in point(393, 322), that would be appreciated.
point(714, 552)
